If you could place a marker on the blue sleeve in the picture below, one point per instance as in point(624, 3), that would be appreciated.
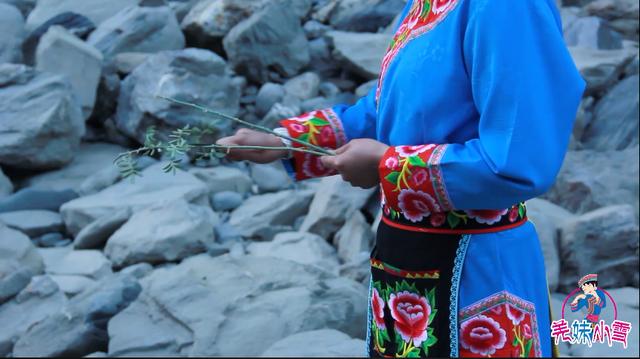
point(581, 303)
point(359, 120)
point(526, 90)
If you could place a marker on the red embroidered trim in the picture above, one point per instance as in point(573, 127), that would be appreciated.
point(430, 274)
point(436, 177)
point(423, 16)
point(322, 128)
point(453, 231)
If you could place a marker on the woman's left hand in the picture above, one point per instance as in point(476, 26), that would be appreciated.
point(357, 162)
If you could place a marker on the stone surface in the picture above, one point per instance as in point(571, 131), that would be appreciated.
point(61, 52)
point(317, 343)
point(226, 200)
point(72, 284)
point(53, 239)
point(95, 234)
point(12, 30)
point(260, 216)
point(600, 68)
point(154, 187)
point(33, 222)
point(268, 95)
point(304, 87)
point(223, 178)
point(138, 29)
point(97, 12)
point(604, 241)
point(20, 261)
point(89, 263)
point(364, 15)
point(126, 62)
point(270, 177)
point(354, 237)
point(592, 32)
point(42, 123)
point(224, 294)
point(162, 234)
point(30, 198)
point(271, 38)
point(361, 53)
point(6, 187)
point(193, 75)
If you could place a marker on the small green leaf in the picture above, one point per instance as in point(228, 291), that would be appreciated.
point(392, 177)
point(318, 121)
point(417, 161)
point(520, 211)
point(431, 340)
point(453, 220)
point(527, 348)
point(515, 342)
point(304, 137)
point(414, 353)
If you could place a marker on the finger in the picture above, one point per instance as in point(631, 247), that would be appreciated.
point(342, 149)
point(328, 161)
point(227, 141)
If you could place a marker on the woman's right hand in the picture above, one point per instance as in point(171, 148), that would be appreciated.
point(248, 137)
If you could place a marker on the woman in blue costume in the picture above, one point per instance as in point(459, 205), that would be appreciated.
point(471, 116)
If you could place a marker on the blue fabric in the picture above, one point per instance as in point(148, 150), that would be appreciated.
point(584, 302)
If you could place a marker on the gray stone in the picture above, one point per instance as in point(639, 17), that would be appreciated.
point(322, 61)
point(138, 29)
point(53, 256)
point(600, 68)
point(193, 75)
point(138, 270)
point(316, 103)
point(364, 15)
point(126, 62)
point(303, 86)
point(52, 240)
point(614, 9)
point(334, 201)
point(62, 53)
point(359, 269)
point(95, 234)
point(33, 222)
point(301, 247)
point(72, 284)
point(12, 30)
point(30, 198)
point(208, 306)
point(271, 38)
point(604, 241)
point(361, 53)
point(317, 343)
point(592, 32)
point(42, 123)
point(258, 213)
point(97, 12)
point(226, 233)
point(354, 237)
point(96, 355)
point(626, 296)
point(270, 177)
point(314, 29)
point(38, 300)
point(181, 7)
point(13, 277)
point(226, 201)
point(154, 187)
point(268, 95)
point(329, 89)
point(365, 88)
point(87, 262)
point(25, 6)
point(615, 122)
point(593, 179)
point(162, 233)
point(278, 112)
point(223, 178)
point(20, 261)
point(6, 187)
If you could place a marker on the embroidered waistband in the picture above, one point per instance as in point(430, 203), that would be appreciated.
point(460, 221)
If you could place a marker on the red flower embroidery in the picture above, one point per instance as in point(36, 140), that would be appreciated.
point(437, 219)
point(482, 335)
point(411, 314)
point(298, 128)
point(488, 216)
point(419, 177)
point(515, 314)
point(513, 214)
point(326, 133)
point(497, 309)
point(515, 352)
point(527, 331)
point(409, 151)
point(416, 205)
point(312, 167)
point(440, 6)
point(377, 307)
point(392, 163)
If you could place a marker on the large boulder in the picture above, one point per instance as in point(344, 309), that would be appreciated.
point(12, 30)
point(193, 75)
point(361, 53)
point(6, 187)
point(96, 11)
point(604, 241)
point(600, 68)
point(61, 52)
point(25, 6)
point(317, 343)
point(616, 118)
point(354, 237)
point(87, 262)
point(592, 32)
point(223, 178)
point(19, 261)
point(31, 198)
point(42, 122)
point(208, 306)
point(95, 234)
point(152, 188)
point(138, 29)
point(271, 39)
point(361, 15)
point(164, 233)
point(33, 223)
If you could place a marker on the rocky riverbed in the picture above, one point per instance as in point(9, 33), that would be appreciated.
point(235, 258)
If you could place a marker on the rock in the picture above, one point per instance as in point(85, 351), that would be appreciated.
point(626, 296)
point(89, 263)
point(126, 62)
point(271, 38)
point(52, 256)
point(75, 24)
point(277, 112)
point(364, 16)
point(334, 202)
point(329, 89)
point(25, 6)
point(106, 104)
point(223, 178)
point(33, 222)
point(124, 31)
point(592, 32)
point(316, 103)
point(593, 179)
point(600, 68)
point(604, 241)
point(615, 122)
point(359, 269)
point(6, 187)
point(13, 277)
point(162, 234)
point(52, 240)
point(321, 60)
point(138, 270)
point(96, 12)
point(193, 75)
point(354, 237)
point(42, 123)
point(633, 68)
point(20, 261)
point(96, 355)
point(226, 200)
point(365, 88)
point(40, 299)
point(29, 198)
point(12, 30)
point(206, 306)
point(268, 95)
point(303, 86)
point(80, 327)
point(95, 235)
point(613, 9)
point(154, 187)
point(301, 247)
point(61, 52)
point(258, 214)
point(361, 53)
point(226, 233)
point(181, 7)
point(317, 343)
point(72, 284)
point(270, 177)
point(314, 29)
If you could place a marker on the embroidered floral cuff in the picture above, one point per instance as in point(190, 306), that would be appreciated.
point(321, 128)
